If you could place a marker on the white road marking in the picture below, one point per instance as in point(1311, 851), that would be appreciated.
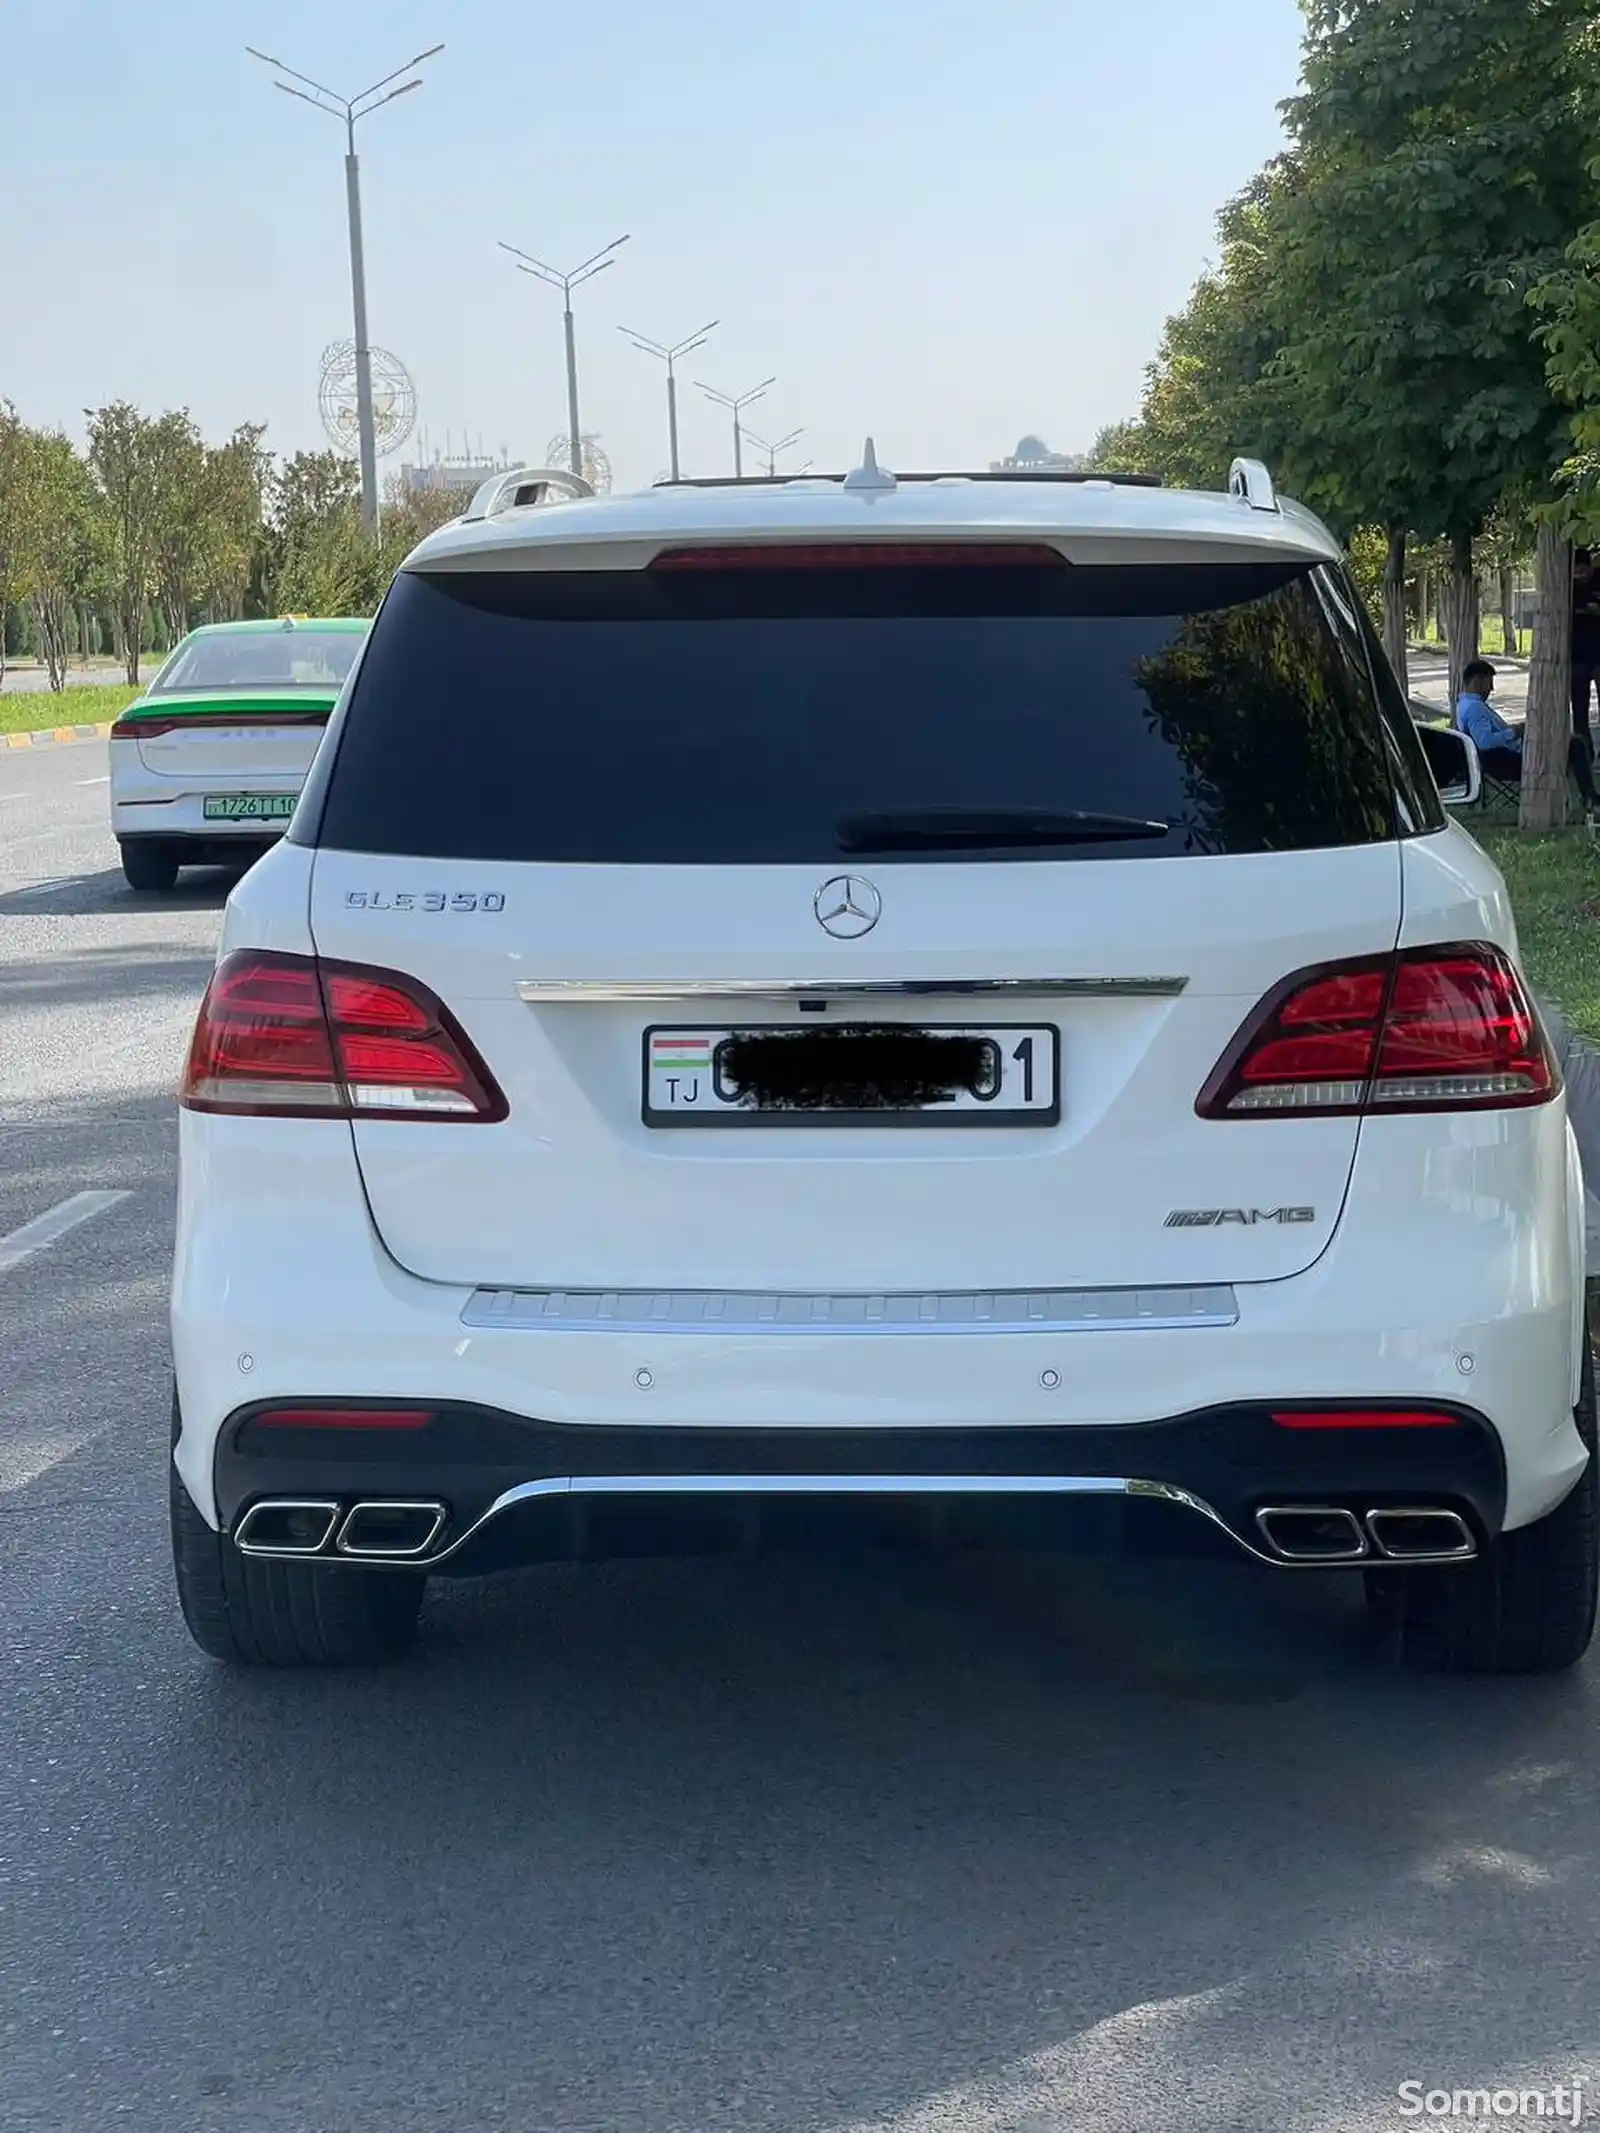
point(24, 1459)
point(106, 780)
point(43, 1230)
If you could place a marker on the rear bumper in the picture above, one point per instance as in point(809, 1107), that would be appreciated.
point(146, 803)
point(1460, 1299)
point(508, 1490)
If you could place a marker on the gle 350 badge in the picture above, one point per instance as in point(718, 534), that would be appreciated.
point(455, 900)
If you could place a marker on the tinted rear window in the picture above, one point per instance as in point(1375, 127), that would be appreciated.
point(734, 717)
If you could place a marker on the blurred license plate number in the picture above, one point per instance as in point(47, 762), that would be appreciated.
point(787, 1075)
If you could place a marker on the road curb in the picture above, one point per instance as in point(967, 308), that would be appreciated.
point(52, 736)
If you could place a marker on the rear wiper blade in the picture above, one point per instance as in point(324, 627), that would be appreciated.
point(909, 829)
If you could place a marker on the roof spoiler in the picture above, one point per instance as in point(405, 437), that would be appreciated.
point(523, 487)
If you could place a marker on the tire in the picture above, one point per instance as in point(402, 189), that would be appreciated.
point(1526, 1606)
point(250, 1612)
point(149, 865)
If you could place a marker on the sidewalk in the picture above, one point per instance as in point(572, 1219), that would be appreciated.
point(1428, 680)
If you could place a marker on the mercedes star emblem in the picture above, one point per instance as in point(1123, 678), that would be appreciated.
point(847, 906)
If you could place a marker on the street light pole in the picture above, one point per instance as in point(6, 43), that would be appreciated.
point(366, 427)
point(350, 109)
point(737, 405)
point(773, 450)
point(566, 283)
point(670, 356)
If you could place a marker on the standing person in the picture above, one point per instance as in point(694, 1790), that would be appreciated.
point(1499, 746)
point(1585, 643)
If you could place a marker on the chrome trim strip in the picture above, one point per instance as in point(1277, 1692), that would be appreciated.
point(856, 1485)
point(549, 991)
point(1464, 1551)
point(647, 1311)
point(390, 1555)
point(241, 1536)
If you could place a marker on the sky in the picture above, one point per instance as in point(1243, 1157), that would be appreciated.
point(940, 223)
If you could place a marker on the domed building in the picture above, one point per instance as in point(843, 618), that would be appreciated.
point(1034, 456)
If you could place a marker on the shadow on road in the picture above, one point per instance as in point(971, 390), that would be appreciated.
point(83, 895)
point(82, 975)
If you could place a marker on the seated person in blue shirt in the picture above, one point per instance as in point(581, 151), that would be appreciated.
point(1499, 746)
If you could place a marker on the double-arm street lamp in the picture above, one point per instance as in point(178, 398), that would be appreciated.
point(670, 356)
point(350, 110)
point(774, 451)
point(566, 283)
point(736, 404)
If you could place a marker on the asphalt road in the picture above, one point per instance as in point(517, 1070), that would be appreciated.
point(33, 680)
point(813, 1848)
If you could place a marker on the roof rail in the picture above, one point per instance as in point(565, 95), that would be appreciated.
point(523, 486)
point(1080, 476)
point(1250, 482)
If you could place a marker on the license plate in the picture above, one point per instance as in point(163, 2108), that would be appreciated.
point(853, 1074)
point(248, 807)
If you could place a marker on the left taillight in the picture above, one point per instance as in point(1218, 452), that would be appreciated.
point(292, 1036)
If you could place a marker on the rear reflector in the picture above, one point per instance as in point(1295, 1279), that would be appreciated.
point(343, 1418)
point(867, 555)
point(282, 1036)
point(1363, 1418)
point(1430, 1029)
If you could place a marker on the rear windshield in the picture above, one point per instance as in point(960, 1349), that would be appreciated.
point(261, 659)
point(749, 717)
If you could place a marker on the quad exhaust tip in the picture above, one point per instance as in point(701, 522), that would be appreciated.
point(1401, 1533)
point(287, 1525)
point(1421, 1535)
point(392, 1531)
point(1312, 1533)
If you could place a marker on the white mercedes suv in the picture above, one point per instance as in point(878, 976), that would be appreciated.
point(889, 1010)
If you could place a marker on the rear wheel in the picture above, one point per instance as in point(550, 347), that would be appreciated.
point(1526, 1606)
point(256, 1613)
point(148, 863)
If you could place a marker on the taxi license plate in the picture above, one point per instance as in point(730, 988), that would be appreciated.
point(248, 807)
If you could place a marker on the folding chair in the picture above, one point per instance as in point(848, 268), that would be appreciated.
point(1497, 794)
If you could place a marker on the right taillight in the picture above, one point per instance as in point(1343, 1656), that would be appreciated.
point(1430, 1029)
point(291, 1036)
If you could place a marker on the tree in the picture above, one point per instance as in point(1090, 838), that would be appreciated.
point(1506, 544)
point(1444, 146)
point(18, 510)
point(236, 478)
point(65, 546)
point(320, 560)
point(129, 454)
point(183, 527)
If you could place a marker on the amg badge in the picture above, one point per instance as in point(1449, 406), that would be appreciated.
point(1214, 1217)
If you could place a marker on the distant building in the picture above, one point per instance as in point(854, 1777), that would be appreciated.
point(1034, 456)
point(456, 477)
